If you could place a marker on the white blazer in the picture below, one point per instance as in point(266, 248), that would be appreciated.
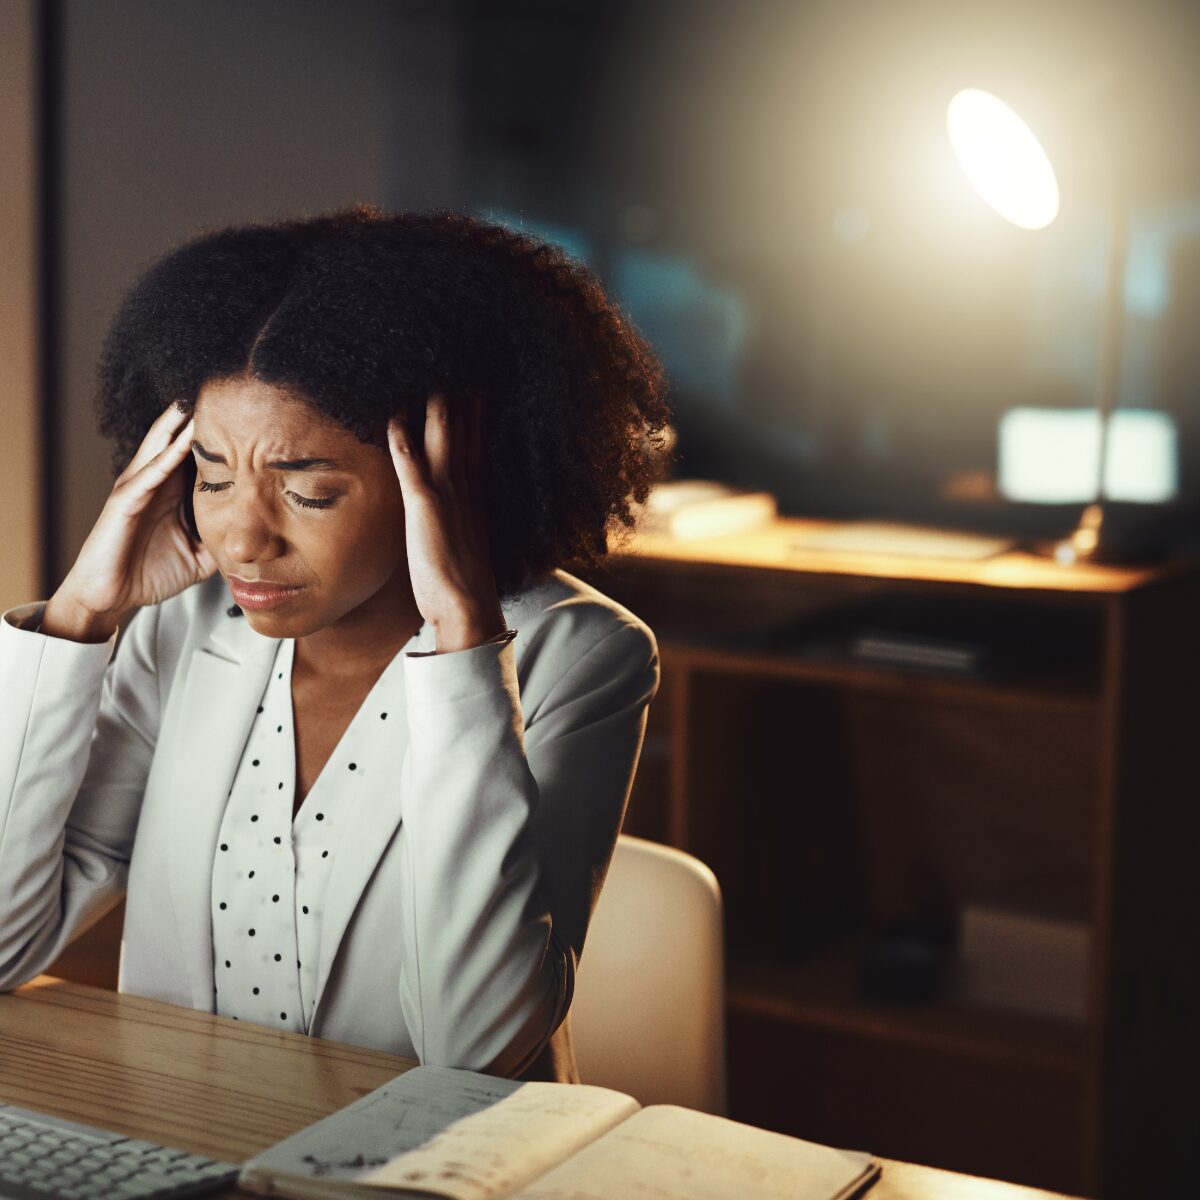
point(456, 908)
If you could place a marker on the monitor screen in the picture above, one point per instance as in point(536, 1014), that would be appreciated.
point(1051, 456)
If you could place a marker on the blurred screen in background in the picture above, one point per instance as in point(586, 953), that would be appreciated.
point(769, 191)
point(767, 188)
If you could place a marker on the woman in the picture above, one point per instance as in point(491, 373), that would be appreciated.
point(360, 760)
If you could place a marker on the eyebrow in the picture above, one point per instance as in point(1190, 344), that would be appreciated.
point(279, 464)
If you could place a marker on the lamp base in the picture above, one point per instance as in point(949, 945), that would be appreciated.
point(1109, 537)
point(1084, 544)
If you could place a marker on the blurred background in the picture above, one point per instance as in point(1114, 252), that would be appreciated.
point(768, 190)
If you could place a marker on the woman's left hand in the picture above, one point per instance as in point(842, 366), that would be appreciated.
point(445, 522)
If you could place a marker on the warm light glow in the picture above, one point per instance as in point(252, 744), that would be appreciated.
point(1003, 159)
point(1051, 456)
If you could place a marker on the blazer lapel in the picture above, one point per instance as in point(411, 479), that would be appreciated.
point(373, 824)
point(222, 689)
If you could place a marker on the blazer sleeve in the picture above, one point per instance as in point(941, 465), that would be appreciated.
point(507, 830)
point(77, 734)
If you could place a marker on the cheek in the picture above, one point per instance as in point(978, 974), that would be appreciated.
point(210, 519)
point(363, 553)
point(200, 518)
point(378, 554)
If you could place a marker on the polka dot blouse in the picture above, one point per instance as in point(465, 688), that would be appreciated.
point(270, 871)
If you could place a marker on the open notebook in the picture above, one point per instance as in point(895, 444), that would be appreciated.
point(439, 1132)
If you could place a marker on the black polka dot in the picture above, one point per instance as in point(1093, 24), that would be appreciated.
point(250, 876)
point(260, 708)
point(283, 1016)
point(277, 841)
point(252, 933)
point(256, 991)
point(297, 964)
point(279, 958)
point(324, 853)
point(304, 908)
point(354, 766)
point(280, 788)
point(274, 899)
point(224, 846)
point(254, 817)
point(383, 716)
point(278, 728)
point(228, 963)
point(222, 905)
point(254, 763)
point(280, 675)
point(320, 816)
point(235, 1018)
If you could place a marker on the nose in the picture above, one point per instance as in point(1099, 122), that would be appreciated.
point(251, 534)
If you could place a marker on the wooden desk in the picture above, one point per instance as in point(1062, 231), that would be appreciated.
point(228, 1089)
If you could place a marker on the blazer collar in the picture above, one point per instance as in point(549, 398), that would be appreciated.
point(223, 683)
point(223, 686)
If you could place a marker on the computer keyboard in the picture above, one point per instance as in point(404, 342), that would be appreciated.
point(906, 541)
point(47, 1158)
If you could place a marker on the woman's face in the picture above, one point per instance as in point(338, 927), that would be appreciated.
point(285, 497)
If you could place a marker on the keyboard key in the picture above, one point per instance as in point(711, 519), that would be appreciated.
point(41, 1155)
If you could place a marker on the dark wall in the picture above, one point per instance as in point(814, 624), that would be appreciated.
point(177, 116)
point(726, 152)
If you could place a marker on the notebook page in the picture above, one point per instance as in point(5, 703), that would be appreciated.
point(669, 1153)
point(496, 1149)
point(445, 1132)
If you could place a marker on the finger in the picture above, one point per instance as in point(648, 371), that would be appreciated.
point(158, 437)
point(476, 458)
point(438, 438)
point(477, 432)
point(410, 470)
point(164, 464)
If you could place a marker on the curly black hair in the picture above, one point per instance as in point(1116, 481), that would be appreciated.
point(365, 313)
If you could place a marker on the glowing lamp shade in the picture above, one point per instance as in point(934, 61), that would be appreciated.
point(1002, 159)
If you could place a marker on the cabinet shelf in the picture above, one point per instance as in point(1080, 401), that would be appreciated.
point(1056, 695)
point(833, 797)
point(821, 994)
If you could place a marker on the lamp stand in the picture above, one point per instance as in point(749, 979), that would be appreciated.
point(1087, 543)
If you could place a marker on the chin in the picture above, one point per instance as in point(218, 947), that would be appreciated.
point(281, 623)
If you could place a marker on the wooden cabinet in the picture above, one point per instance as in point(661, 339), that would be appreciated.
point(834, 799)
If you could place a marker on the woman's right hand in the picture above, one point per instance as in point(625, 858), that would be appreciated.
point(139, 551)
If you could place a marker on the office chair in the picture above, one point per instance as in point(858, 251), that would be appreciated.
point(648, 1014)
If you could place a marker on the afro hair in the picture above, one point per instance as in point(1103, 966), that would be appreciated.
point(365, 313)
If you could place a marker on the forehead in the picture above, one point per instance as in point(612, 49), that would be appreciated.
point(250, 412)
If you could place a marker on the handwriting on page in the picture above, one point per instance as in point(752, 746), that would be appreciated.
point(399, 1116)
point(508, 1136)
point(668, 1153)
point(328, 1168)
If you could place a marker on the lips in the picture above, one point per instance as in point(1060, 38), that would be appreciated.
point(260, 595)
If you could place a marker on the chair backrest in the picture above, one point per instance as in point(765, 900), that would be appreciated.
point(648, 1014)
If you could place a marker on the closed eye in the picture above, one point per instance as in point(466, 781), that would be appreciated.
point(202, 485)
point(309, 502)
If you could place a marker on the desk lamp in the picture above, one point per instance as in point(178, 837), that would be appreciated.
point(1007, 166)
